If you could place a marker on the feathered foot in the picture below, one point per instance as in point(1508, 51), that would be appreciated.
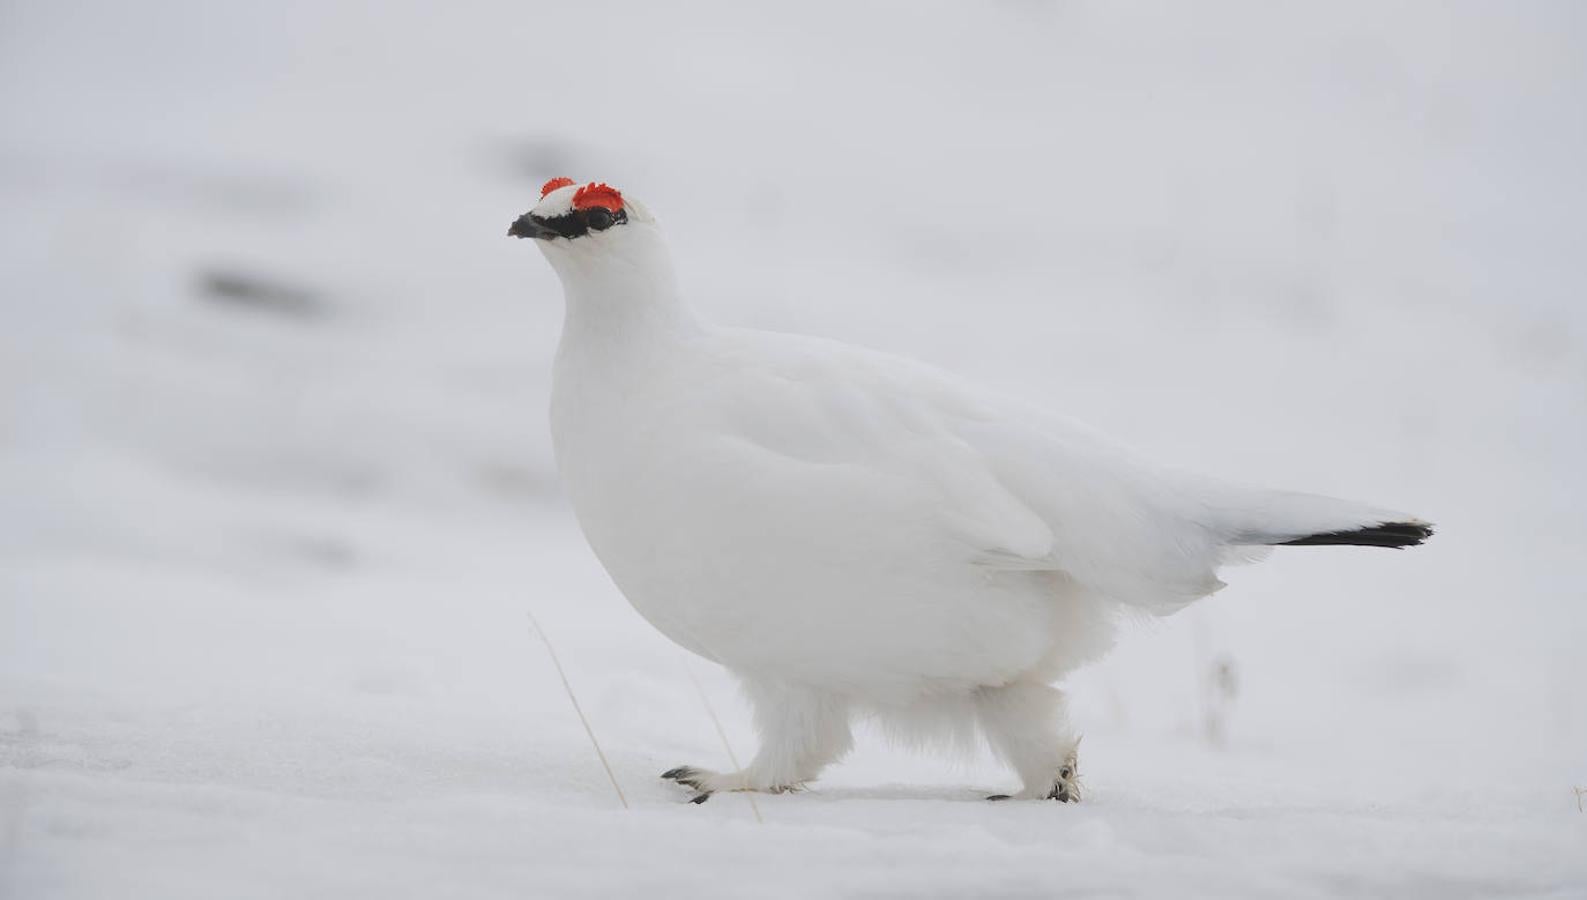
point(706, 782)
point(1065, 786)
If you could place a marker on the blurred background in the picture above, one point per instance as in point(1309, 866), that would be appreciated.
point(276, 489)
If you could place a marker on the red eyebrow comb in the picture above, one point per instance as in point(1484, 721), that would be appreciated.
point(553, 184)
point(593, 194)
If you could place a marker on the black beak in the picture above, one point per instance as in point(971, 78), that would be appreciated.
point(529, 226)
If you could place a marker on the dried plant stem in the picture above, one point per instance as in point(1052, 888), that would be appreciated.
point(722, 734)
point(578, 709)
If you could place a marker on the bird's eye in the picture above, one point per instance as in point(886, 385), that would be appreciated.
point(598, 218)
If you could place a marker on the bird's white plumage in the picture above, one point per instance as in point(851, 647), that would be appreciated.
point(848, 530)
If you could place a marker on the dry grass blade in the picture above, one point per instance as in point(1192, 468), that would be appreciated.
point(578, 709)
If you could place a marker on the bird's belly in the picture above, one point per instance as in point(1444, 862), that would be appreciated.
point(850, 631)
point(892, 619)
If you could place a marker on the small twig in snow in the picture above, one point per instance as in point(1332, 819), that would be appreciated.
point(578, 709)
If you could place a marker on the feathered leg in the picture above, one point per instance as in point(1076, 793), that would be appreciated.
point(802, 731)
point(1027, 727)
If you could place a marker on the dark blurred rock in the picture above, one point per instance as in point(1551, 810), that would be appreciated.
point(235, 288)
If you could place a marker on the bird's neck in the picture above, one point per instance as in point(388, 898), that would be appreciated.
point(622, 299)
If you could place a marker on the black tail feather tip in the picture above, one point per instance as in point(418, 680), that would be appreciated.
point(1395, 535)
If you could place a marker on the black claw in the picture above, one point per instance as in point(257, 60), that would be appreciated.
point(688, 776)
point(998, 797)
point(1062, 795)
point(700, 797)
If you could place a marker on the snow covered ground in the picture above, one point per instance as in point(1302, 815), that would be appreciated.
point(276, 492)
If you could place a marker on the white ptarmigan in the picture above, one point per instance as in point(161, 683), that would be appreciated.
point(852, 533)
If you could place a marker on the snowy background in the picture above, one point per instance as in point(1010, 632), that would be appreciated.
point(276, 490)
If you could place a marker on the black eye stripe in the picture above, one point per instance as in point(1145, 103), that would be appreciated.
point(580, 222)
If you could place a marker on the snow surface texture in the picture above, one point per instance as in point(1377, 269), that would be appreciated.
point(275, 486)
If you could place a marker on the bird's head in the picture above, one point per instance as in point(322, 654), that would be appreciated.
point(586, 227)
point(608, 252)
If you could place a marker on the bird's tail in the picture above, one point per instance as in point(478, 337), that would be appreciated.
point(1253, 518)
point(1387, 534)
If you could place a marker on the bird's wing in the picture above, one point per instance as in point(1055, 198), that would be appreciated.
point(823, 416)
point(1127, 529)
point(1015, 488)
